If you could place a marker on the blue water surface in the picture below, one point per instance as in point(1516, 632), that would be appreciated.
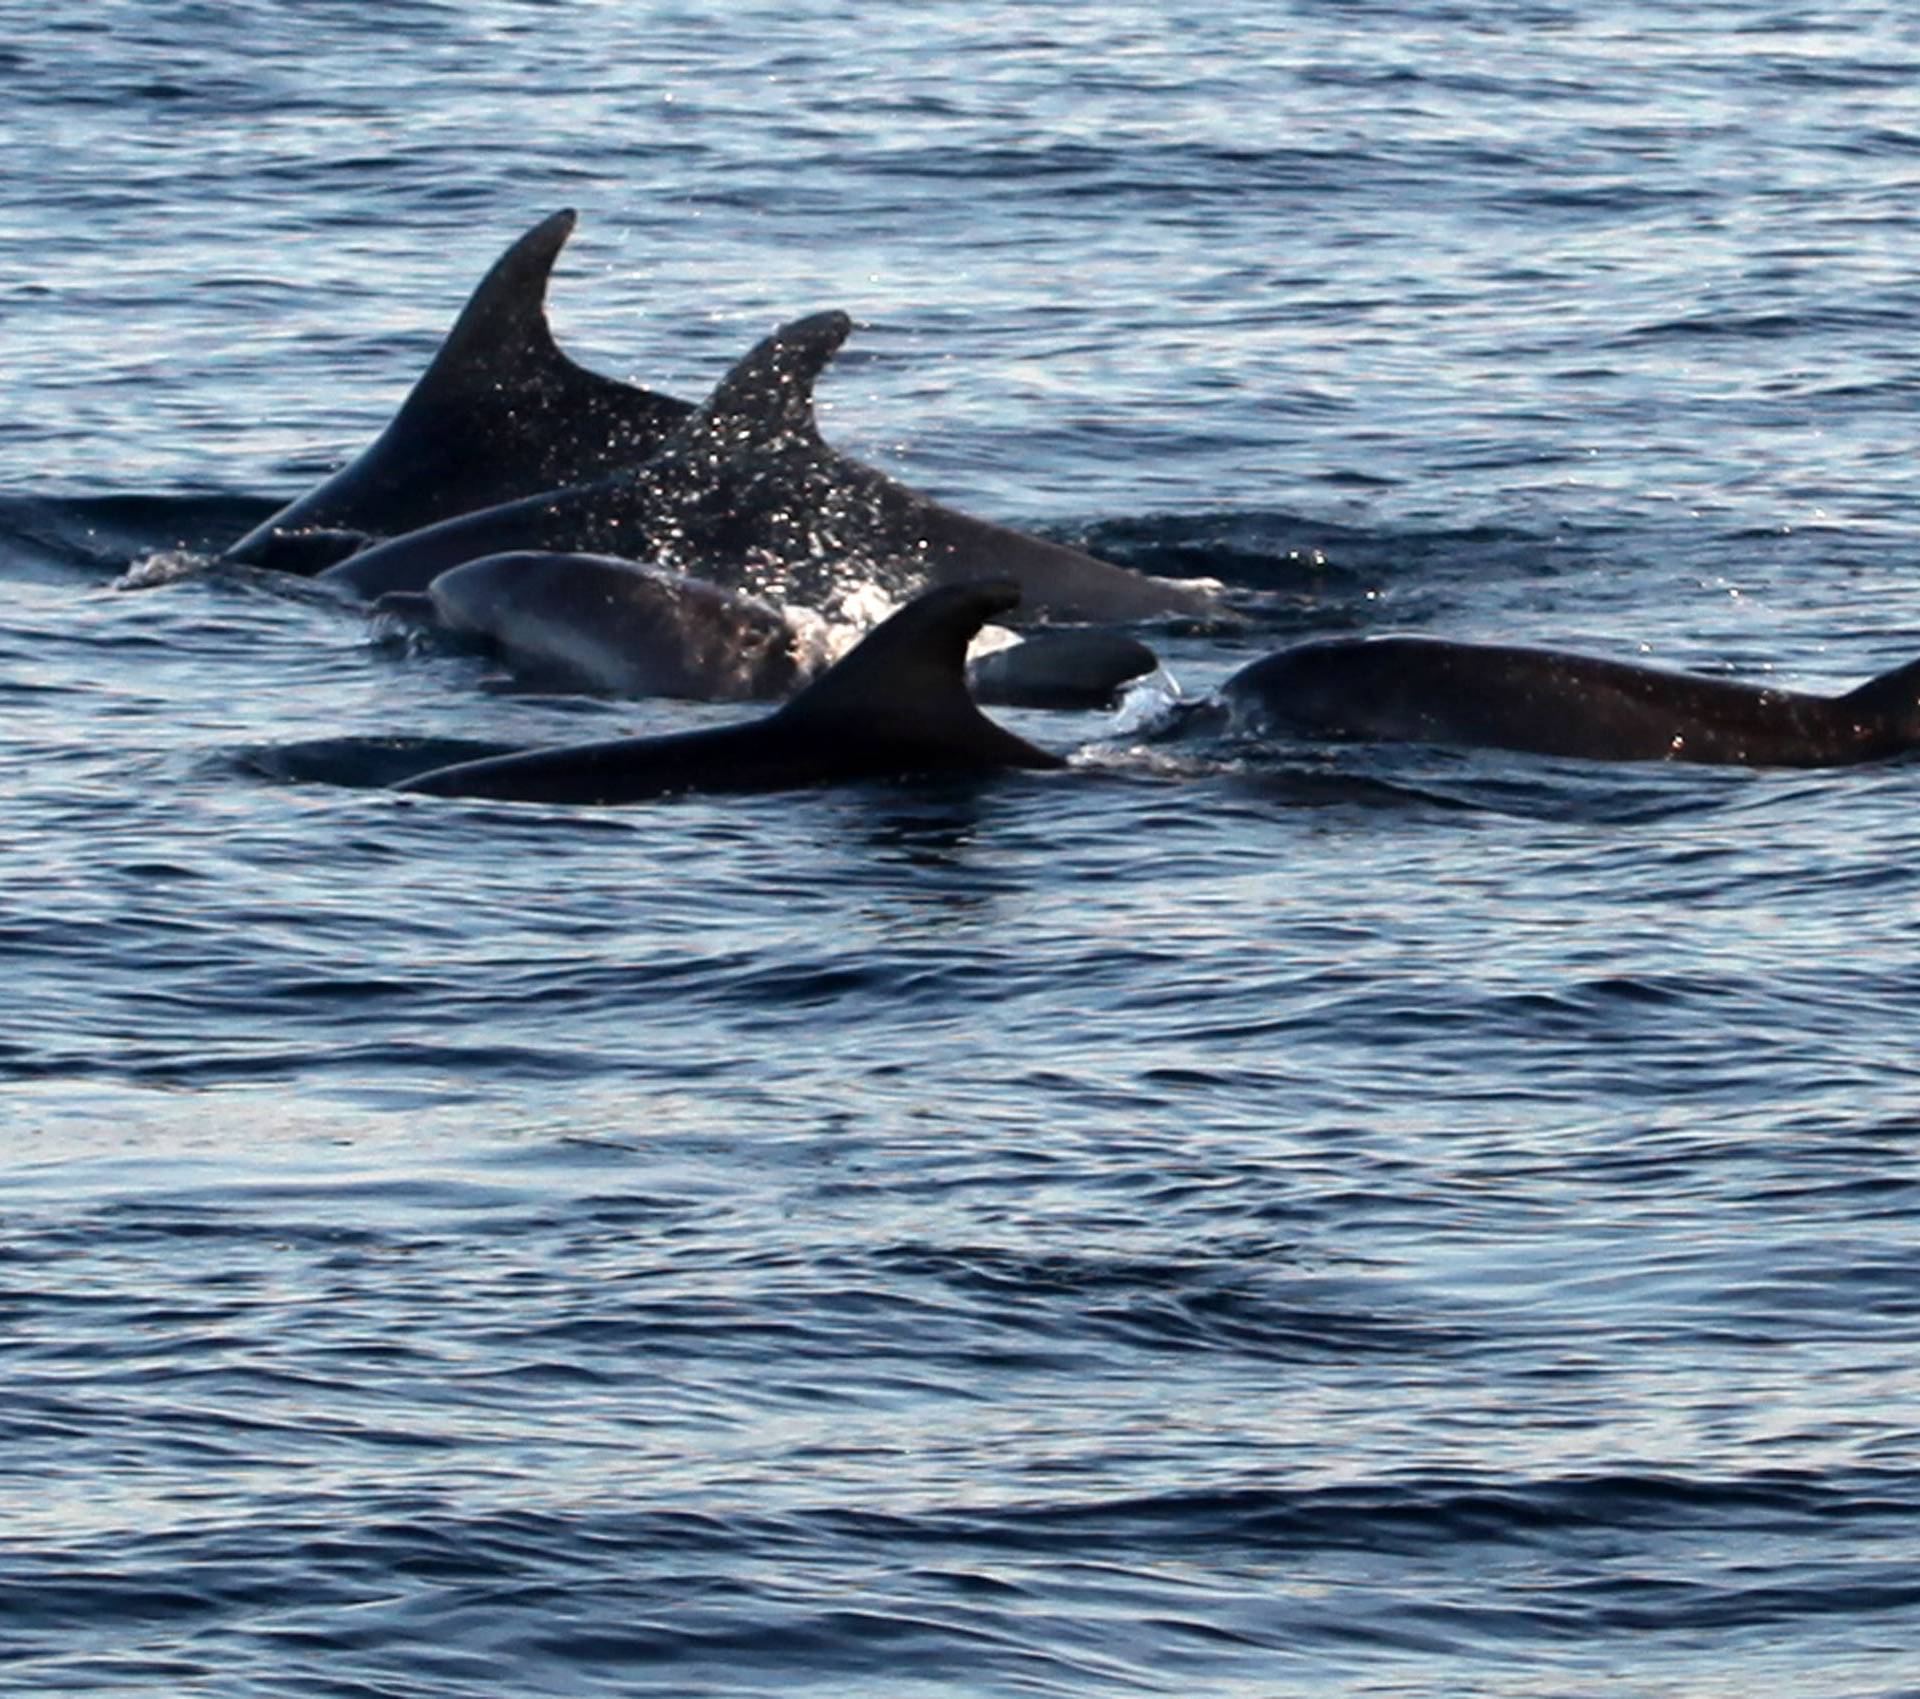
point(1257, 1220)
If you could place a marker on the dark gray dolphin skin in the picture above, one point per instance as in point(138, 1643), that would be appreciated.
point(612, 627)
point(746, 492)
point(500, 413)
point(364, 763)
point(1547, 702)
point(1061, 669)
point(896, 705)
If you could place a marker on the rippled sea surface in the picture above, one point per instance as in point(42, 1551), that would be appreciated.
point(1257, 1220)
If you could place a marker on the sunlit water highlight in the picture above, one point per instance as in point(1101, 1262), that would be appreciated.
point(1233, 1219)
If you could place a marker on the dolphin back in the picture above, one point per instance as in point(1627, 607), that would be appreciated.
point(1061, 669)
point(1888, 705)
point(896, 705)
point(500, 412)
point(904, 685)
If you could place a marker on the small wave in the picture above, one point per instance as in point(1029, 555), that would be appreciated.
point(1770, 327)
point(163, 566)
point(108, 533)
point(1292, 572)
point(1251, 1304)
point(1410, 1512)
point(1419, 775)
point(362, 763)
point(1301, 572)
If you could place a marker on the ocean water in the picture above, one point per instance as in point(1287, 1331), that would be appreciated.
point(1221, 1219)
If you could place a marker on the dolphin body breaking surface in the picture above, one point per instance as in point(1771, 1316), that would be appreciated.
point(896, 705)
point(613, 627)
point(500, 413)
point(745, 492)
point(1549, 702)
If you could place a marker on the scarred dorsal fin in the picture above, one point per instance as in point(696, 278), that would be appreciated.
point(767, 399)
point(504, 323)
point(906, 681)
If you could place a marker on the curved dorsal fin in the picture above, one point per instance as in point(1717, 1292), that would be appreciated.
point(906, 682)
point(767, 399)
point(504, 323)
point(1895, 694)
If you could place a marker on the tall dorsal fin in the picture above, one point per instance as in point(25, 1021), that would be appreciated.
point(504, 323)
point(767, 399)
point(906, 682)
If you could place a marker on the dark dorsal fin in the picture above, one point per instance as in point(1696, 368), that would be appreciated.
point(906, 682)
point(767, 399)
point(1893, 694)
point(504, 324)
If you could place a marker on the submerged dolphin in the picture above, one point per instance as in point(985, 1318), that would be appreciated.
point(615, 627)
point(1547, 702)
point(746, 492)
point(500, 413)
point(896, 705)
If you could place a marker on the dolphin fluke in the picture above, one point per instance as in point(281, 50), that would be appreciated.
point(896, 705)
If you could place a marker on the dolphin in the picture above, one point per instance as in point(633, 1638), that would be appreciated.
point(363, 763)
point(1549, 702)
point(612, 627)
point(1061, 669)
point(745, 492)
point(897, 704)
point(500, 413)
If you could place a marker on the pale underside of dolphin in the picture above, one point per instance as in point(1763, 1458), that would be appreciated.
point(500, 413)
point(1549, 702)
point(746, 493)
point(897, 705)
